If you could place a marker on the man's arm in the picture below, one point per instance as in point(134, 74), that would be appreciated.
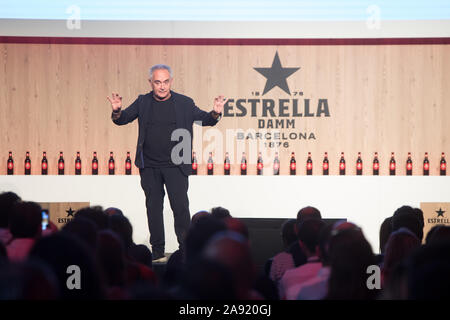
point(119, 116)
point(210, 118)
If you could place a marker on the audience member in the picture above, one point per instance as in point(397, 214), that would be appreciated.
point(111, 257)
point(220, 213)
point(198, 215)
point(232, 251)
point(427, 272)
point(3, 254)
point(409, 218)
point(26, 227)
point(123, 228)
point(50, 229)
point(385, 232)
point(208, 279)
point(398, 247)
point(84, 229)
point(318, 261)
point(266, 288)
point(276, 266)
point(296, 251)
point(296, 257)
point(438, 234)
point(111, 211)
point(316, 288)
point(142, 254)
point(419, 215)
point(198, 235)
point(292, 280)
point(236, 225)
point(7, 201)
point(96, 215)
point(350, 255)
point(61, 251)
point(396, 286)
point(28, 280)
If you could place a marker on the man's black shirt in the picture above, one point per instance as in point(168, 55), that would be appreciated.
point(161, 122)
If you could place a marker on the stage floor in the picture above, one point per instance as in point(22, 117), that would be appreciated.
point(364, 200)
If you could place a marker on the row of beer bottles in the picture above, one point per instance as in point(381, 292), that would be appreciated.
point(325, 165)
point(61, 164)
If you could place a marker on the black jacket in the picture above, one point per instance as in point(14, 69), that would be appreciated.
point(186, 112)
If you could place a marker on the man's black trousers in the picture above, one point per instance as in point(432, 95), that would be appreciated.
point(153, 181)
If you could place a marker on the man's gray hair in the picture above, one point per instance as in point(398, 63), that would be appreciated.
point(159, 67)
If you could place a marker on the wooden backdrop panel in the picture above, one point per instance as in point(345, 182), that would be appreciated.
point(381, 98)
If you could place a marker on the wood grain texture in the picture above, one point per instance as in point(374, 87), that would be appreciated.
point(381, 98)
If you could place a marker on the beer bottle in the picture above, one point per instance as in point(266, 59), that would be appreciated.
point(309, 165)
point(128, 164)
point(226, 165)
point(259, 165)
point(325, 165)
point(443, 165)
point(44, 164)
point(27, 164)
point(61, 163)
point(426, 165)
point(376, 165)
point(78, 164)
point(111, 164)
point(10, 164)
point(293, 165)
point(409, 165)
point(94, 164)
point(342, 165)
point(194, 163)
point(359, 165)
point(392, 165)
point(276, 165)
point(243, 165)
point(210, 165)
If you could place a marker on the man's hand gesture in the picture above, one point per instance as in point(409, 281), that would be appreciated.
point(219, 102)
point(116, 101)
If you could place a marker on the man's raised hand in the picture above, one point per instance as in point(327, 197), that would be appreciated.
point(116, 101)
point(219, 102)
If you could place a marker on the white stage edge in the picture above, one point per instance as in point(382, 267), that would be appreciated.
point(364, 200)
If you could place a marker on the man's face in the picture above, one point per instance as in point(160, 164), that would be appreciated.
point(161, 83)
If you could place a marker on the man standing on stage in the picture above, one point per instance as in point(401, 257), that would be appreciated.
point(159, 113)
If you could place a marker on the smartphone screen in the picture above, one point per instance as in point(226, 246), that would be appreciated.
point(45, 219)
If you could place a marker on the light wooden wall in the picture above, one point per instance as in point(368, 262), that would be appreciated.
point(381, 97)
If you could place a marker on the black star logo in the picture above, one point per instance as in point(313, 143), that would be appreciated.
point(70, 212)
point(276, 75)
point(440, 213)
